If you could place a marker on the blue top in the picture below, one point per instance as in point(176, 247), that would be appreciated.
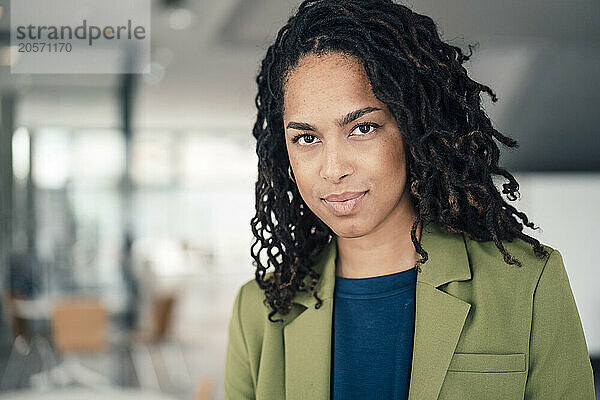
point(373, 329)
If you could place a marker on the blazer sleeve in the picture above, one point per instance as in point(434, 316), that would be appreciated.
point(238, 383)
point(559, 363)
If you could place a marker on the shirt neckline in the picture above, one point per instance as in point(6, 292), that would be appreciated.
point(376, 285)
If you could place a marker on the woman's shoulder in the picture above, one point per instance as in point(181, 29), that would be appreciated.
point(251, 316)
point(250, 301)
point(252, 309)
point(488, 266)
point(252, 293)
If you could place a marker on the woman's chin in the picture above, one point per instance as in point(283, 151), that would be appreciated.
point(349, 229)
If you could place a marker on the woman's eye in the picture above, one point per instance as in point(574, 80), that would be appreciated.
point(365, 129)
point(303, 137)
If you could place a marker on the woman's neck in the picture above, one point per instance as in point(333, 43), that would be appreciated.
point(385, 250)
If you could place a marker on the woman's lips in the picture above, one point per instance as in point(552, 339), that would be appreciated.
point(345, 207)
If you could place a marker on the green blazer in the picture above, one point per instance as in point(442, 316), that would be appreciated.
point(483, 330)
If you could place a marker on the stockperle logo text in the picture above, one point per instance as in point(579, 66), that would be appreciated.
point(84, 31)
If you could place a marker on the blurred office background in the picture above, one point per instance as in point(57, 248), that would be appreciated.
point(125, 200)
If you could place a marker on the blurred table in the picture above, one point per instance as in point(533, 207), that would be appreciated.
point(78, 393)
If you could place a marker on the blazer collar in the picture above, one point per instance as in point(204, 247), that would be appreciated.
point(439, 319)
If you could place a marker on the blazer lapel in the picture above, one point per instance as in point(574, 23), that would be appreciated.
point(307, 342)
point(439, 319)
point(307, 338)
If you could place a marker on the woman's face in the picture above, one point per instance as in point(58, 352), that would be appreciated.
point(340, 138)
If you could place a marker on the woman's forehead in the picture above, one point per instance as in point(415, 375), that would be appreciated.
point(319, 81)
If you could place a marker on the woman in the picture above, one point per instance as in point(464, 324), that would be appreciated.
point(398, 270)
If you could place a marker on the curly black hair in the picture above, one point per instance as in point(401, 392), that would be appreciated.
point(449, 139)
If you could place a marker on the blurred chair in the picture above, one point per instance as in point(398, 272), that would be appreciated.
point(158, 359)
point(17, 324)
point(79, 328)
point(162, 312)
point(79, 325)
point(162, 267)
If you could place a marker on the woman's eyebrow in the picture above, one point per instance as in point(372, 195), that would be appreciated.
point(351, 116)
point(302, 126)
point(345, 120)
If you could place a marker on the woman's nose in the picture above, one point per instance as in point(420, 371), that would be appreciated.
point(336, 164)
